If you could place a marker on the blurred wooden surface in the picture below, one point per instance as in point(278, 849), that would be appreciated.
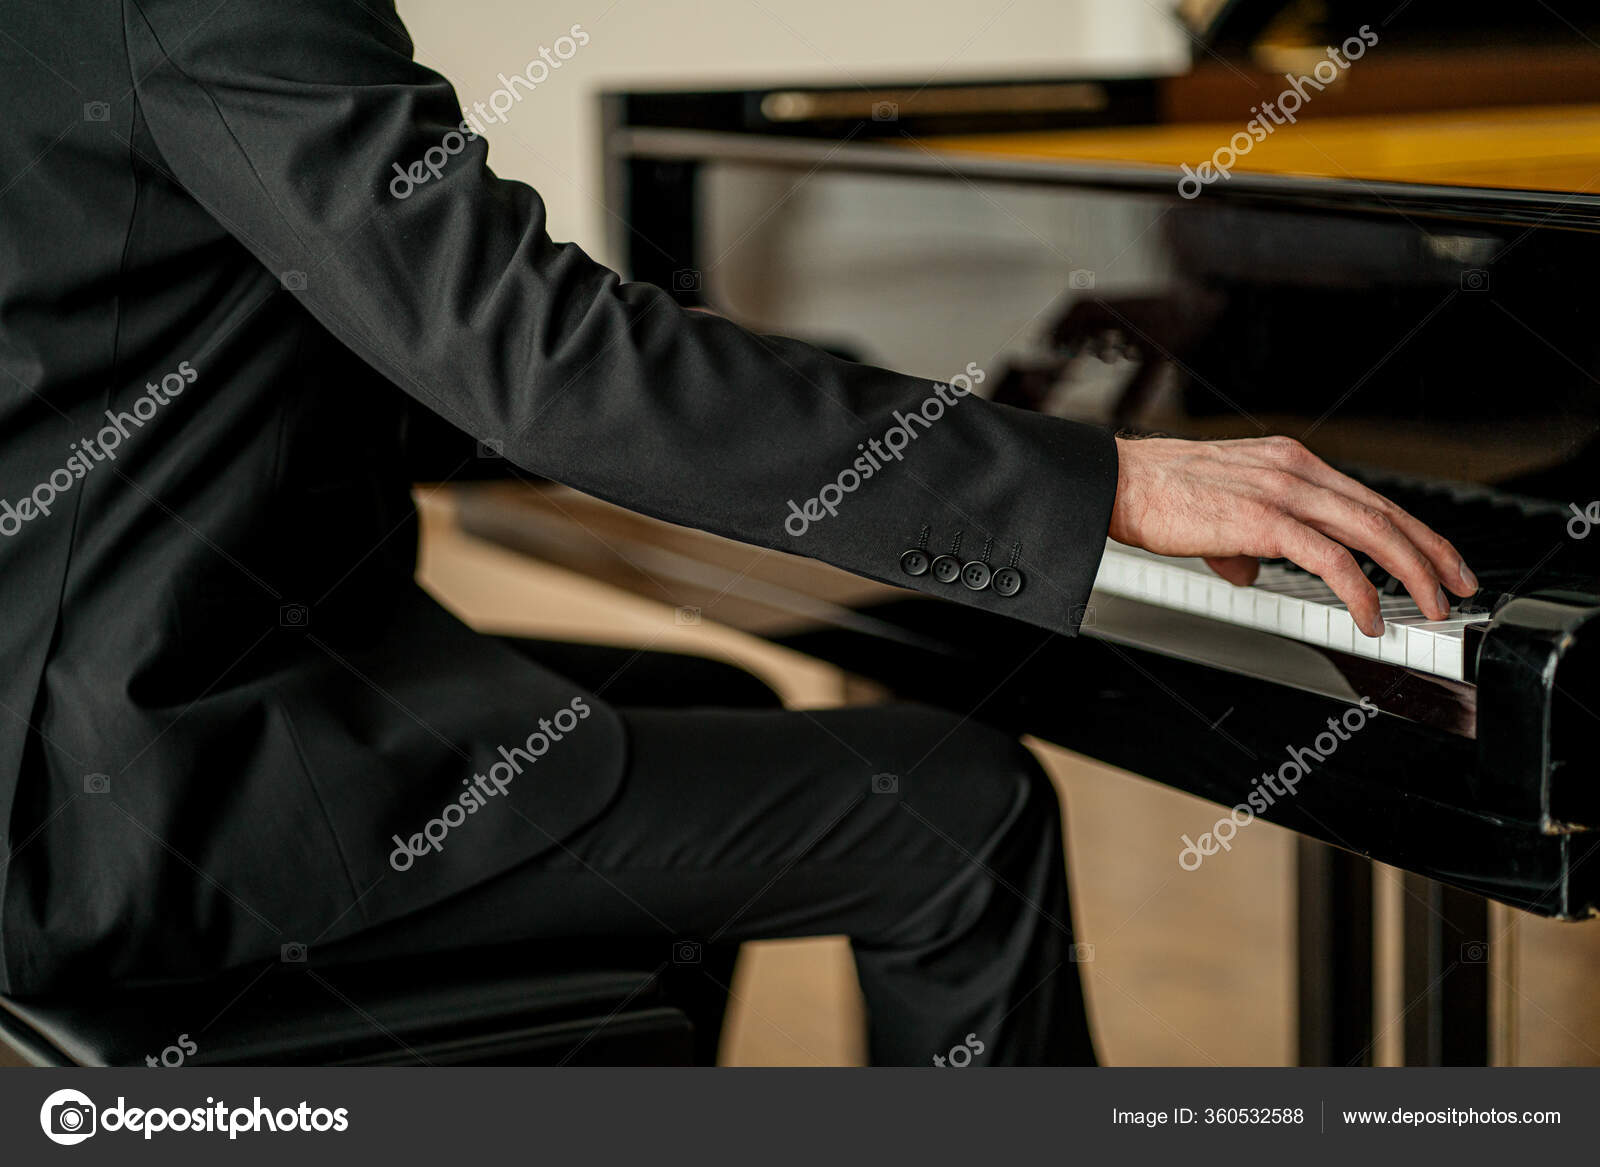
point(1529, 148)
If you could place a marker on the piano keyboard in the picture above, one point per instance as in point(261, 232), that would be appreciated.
point(1293, 604)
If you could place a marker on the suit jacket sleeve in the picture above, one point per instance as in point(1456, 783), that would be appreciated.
point(285, 120)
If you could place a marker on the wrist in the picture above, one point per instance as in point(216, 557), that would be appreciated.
point(1123, 503)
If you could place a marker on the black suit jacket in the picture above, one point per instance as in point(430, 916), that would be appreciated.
point(223, 694)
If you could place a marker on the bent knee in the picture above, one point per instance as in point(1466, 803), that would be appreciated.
point(974, 782)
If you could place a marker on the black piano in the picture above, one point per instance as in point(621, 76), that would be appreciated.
point(1403, 276)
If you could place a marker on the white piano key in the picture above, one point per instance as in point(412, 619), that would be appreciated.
point(1364, 645)
point(1392, 644)
point(1314, 624)
point(1342, 632)
point(1407, 617)
point(1242, 606)
point(1419, 649)
point(1154, 578)
point(1448, 655)
point(1294, 605)
point(1172, 585)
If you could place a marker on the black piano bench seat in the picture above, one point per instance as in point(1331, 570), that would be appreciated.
point(477, 1007)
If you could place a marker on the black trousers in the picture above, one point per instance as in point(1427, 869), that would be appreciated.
point(932, 842)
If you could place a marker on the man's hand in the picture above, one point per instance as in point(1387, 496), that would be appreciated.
point(1232, 503)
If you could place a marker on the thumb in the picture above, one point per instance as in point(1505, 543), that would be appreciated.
point(1239, 570)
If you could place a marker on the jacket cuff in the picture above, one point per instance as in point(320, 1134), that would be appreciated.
point(1034, 551)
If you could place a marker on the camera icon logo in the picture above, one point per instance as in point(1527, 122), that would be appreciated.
point(294, 616)
point(687, 616)
point(293, 953)
point(1081, 953)
point(1474, 952)
point(1080, 279)
point(1084, 615)
point(491, 448)
point(294, 281)
point(685, 952)
point(96, 111)
point(886, 784)
point(1475, 279)
point(885, 111)
point(67, 1117)
point(686, 279)
point(97, 783)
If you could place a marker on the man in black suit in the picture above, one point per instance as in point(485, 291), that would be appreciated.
point(233, 722)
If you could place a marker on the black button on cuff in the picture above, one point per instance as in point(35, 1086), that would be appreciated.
point(914, 562)
point(1008, 581)
point(946, 568)
point(975, 575)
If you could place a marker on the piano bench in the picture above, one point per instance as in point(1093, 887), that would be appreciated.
point(478, 1007)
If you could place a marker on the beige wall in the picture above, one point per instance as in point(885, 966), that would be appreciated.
point(550, 139)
